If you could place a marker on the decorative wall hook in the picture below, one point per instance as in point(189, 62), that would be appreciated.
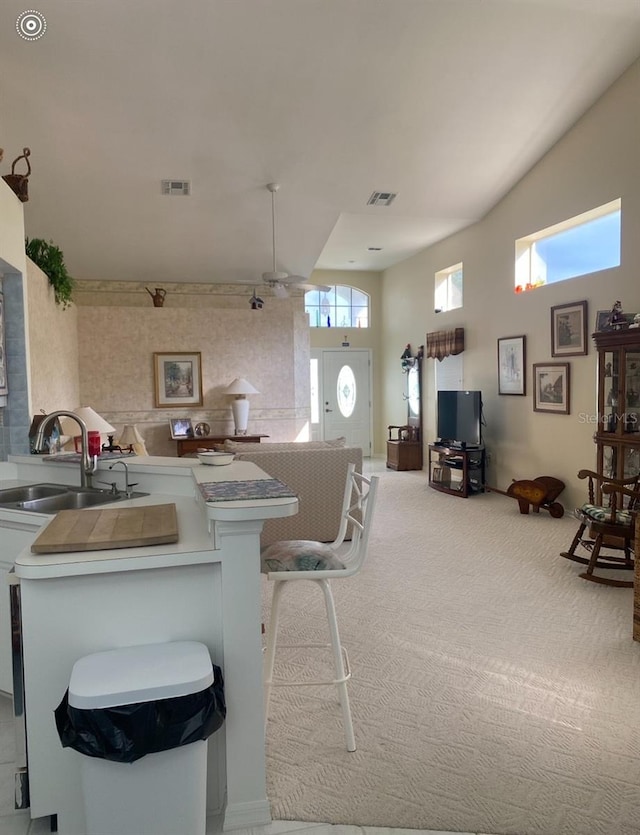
point(19, 183)
point(158, 297)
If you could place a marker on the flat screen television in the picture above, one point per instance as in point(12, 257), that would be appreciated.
point(460, 418)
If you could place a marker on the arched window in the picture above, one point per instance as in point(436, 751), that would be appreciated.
point(338, 307)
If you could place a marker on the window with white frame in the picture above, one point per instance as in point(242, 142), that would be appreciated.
point(448, 292)
point(337, 307)
point(581, 245)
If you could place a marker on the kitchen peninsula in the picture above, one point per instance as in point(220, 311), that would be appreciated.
point(205, 587)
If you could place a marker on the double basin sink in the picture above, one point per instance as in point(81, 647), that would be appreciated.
point(50, 498)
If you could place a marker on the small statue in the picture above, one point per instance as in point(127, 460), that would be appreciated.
point(636, 321)
point(405, 357)
point(616, 317)
point(158, 297)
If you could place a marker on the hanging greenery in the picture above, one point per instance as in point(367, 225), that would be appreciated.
point(50, 259)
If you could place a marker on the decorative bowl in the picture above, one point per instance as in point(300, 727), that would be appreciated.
point(218, 459)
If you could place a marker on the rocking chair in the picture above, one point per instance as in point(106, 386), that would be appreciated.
point(609, 526)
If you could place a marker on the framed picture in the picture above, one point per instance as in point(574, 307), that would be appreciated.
point(551, 387)
point(178, 380)
point(603, 317)
point(181, 428)
point(511, 365)
point(569, 330)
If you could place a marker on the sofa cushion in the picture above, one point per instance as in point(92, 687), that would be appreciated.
point(287, 446)
point(298, 555)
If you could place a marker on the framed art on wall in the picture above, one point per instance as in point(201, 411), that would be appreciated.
point(178, 380)
point(569, 330)
point(511, 365)
point(551, 387)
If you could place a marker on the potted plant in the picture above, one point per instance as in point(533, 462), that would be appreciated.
point(50, 259)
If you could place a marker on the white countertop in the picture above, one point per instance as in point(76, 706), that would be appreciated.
point(195, 544)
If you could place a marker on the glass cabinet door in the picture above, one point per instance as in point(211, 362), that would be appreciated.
point(609, 395)
point(632, 392)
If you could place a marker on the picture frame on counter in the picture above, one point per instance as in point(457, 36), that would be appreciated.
point(177, 380)
point(180, 428)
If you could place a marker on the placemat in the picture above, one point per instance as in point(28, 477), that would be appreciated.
point(250, 490)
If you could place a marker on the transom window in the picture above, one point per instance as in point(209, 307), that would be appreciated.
point(448, 292)
point(338, 307)
point(578, 246)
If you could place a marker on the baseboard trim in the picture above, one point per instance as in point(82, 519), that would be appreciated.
point(246, 815)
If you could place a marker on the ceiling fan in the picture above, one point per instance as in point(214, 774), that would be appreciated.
point(279, 280)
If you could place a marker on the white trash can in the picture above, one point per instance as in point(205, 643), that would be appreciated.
point(161, 793)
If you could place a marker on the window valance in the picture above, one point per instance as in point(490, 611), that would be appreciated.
point(441, 344)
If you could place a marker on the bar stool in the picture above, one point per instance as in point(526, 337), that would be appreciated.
point(321, 562)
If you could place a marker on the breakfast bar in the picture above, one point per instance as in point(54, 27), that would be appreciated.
point(205, 587)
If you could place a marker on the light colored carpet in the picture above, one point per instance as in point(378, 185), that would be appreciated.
point(493, 690)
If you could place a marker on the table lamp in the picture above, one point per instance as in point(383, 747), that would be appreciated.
point(94, 423)
point(129, 437)
point(240, 388)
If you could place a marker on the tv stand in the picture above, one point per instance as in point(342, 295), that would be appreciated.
point(456, 470)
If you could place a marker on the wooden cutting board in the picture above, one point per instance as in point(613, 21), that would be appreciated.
point(93, 530)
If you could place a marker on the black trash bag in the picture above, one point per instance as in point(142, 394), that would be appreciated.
point(126, 733)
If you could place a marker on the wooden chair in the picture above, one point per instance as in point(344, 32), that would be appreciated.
point(610, 526)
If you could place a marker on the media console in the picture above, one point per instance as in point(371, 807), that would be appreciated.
point(458, 471)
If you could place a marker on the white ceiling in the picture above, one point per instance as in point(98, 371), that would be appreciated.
point(446, 102)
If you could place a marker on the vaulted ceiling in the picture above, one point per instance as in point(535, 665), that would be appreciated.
point(447, 103)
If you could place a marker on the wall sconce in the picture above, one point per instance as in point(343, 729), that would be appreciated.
point(129, 437)
point(240, 388)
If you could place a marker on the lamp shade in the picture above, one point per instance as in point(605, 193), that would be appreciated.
point(240, 386)
point(130, 435)
point(94, 422)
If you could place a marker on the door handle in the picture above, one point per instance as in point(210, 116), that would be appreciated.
point(328, 410)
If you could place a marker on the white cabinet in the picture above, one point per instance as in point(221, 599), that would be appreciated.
point(13, 538)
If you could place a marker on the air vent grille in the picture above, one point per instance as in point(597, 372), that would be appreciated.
point(176, 187)
point(381, 198)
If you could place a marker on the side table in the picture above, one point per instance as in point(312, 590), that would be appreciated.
point(192, 444)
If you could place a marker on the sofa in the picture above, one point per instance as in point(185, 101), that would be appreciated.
point(316, 471)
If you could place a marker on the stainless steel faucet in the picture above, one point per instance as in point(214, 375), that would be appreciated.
point(127, 487)
point(88, 465)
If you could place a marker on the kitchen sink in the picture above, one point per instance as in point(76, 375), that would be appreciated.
point(50, 498)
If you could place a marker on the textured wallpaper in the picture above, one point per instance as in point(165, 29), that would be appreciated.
point(53, 347)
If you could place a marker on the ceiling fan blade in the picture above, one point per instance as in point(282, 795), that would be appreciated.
point(321, 288)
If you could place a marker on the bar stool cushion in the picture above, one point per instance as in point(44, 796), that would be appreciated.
point(298, 555)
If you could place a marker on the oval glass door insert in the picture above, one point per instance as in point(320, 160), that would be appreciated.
point(346, 391)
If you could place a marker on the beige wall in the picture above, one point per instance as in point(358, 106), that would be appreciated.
point(53, 347)
point(594, 163)
point(269, 347)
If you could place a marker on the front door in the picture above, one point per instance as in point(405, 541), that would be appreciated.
point(343, 397)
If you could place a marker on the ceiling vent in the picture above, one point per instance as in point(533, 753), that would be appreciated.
point(381, 198)
point(172, 187)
